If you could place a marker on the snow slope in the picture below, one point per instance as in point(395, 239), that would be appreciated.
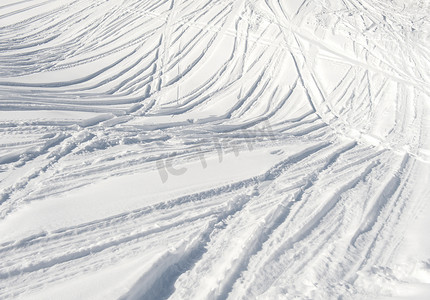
point(214, 149)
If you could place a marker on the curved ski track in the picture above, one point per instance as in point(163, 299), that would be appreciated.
point(337, 91)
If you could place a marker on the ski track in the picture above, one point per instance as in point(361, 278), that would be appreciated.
point(337, 91)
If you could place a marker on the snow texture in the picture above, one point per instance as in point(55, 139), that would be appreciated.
point(214, 149)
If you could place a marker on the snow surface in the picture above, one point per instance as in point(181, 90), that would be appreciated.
point(214, 149)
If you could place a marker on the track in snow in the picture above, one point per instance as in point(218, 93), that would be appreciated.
point(212, 149)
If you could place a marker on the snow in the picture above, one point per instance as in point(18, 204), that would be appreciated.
point(214, 149)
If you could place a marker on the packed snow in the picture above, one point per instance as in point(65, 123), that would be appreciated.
point(214, 149)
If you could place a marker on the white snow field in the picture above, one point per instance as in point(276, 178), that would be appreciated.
point(214, 149)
